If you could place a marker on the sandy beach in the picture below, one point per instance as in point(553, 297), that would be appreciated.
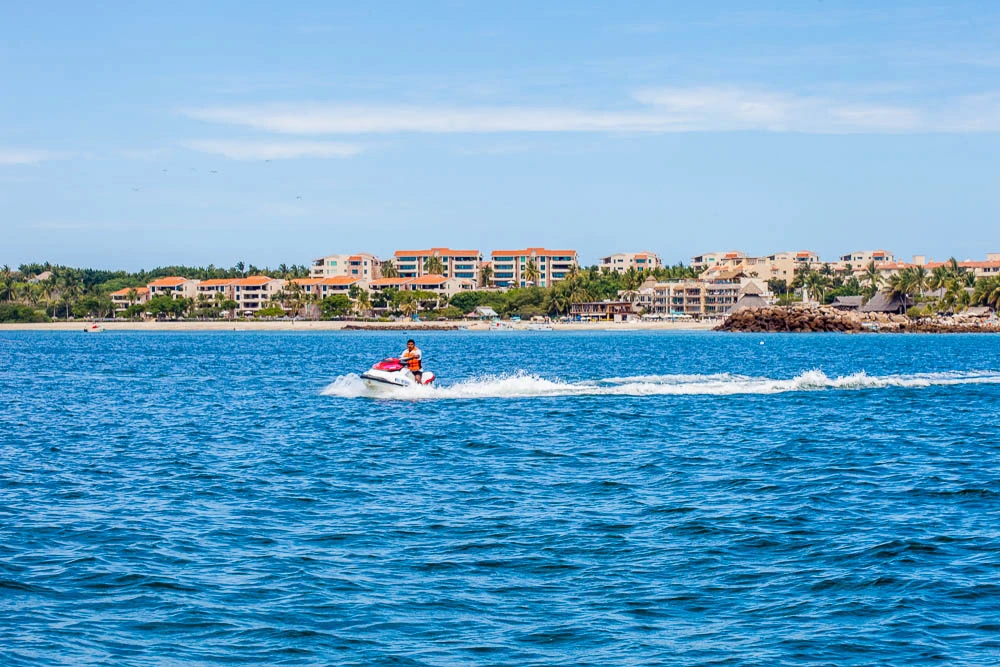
point(327, 325)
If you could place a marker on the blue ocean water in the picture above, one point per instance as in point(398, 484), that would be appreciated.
point(610, 498)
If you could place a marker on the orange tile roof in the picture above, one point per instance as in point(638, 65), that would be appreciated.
point(305, 281)
point(440, 252)
point(390, 282)
point(253, 281)
point(980, 265)
point(429, 279)
point(532, 251)
point(339, 280)
point(216, 282)
point(169, 281)
point(124, 291)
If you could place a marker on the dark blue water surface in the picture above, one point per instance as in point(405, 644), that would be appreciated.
point(612, 498)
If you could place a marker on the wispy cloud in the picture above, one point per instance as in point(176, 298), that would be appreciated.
point(275, 150)
point(13, 156)
point(652, 110)
point(357, 119)
point(728, 109)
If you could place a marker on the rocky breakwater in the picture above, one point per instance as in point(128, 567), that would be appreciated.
point(807, 318)
point(798, 318)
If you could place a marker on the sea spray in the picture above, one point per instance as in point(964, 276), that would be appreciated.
point(525, 385)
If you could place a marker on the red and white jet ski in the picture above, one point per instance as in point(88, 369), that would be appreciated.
point(392, 372)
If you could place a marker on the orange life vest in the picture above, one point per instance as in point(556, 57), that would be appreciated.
point(413, 363)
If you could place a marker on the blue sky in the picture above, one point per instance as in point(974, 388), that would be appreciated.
point(140, 135)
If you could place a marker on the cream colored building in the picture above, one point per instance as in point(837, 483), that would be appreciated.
point(216, 289)
point(980, 269)
point(122, 300)
point(782, 265)
point(510, 266)
point(174, 286)
point(860, 258)
point(438, 284)
point(460, 264)
point(696, 298)
point(710, 259)
point(320, 288)
point(255, 293)
point(623, 261)
point(362, 266)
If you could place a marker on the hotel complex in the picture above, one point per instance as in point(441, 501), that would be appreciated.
point(726, 280)
point(462, 264)
point(531, 266)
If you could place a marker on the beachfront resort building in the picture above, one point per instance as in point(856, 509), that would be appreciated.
point(320, 288)
point(174, 286)
point(531, 266)
point(694, 298)
point(460, 264)
point(861, 258)
point(128, 296)
point(254, 293)
point(781, 265)
point(438, 284)
point(362, 266)
point(602, 311)
point(623, 261)
point(710, 259)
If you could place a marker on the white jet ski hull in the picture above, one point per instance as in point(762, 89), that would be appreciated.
point(381, 380)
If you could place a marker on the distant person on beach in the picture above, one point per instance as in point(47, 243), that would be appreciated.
point(411, 357)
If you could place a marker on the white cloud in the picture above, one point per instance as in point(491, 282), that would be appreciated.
point(654, 110)
point(12, 156)
point(275, 150)
point(337, 119)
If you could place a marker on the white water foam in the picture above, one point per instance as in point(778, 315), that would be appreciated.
point(522, 385)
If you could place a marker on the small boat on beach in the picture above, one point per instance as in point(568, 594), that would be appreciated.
point(94, 328)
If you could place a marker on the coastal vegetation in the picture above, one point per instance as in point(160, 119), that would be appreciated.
point(39, 292)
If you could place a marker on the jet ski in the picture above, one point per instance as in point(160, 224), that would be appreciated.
point(390, 373)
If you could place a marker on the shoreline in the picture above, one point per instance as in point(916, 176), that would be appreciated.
point(352, 325)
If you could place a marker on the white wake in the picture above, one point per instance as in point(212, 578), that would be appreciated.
point(522, 385)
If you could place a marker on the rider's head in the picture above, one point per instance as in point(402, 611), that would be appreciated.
point(410, 343)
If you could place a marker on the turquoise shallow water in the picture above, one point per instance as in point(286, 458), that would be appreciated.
point(561, 499)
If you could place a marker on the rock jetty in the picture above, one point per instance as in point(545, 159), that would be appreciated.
point(809, 318)
point(798, 318)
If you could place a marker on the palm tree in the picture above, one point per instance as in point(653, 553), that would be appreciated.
point(902, 286)
point(408, 305)
point(363, 303)
point(531, 272)
point(561, 303)
point(919, 277)
point(485, 275)
point(389, 269)
point(987, 292)
point(872, 278)
point(632, 279)
point(940, 276)
point(434, 265)
point(815, 283)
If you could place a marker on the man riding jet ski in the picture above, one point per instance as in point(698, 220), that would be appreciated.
point(405, 371)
